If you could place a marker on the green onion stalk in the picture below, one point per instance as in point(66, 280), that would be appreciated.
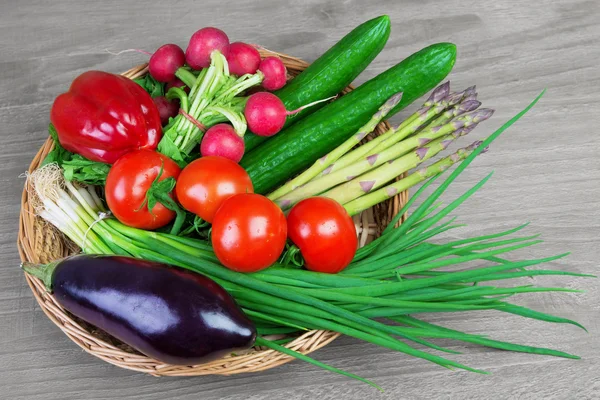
point(214, 97)
point(374, 299)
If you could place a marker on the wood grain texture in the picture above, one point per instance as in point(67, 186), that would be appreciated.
point(547, 171)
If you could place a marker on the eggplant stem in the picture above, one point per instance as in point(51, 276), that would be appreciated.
point(42, 271)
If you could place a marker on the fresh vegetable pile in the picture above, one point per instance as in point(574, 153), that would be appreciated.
point(194, 249)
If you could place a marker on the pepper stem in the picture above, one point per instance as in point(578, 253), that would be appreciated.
point(42, 271)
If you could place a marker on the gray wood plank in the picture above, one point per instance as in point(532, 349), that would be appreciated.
point(547, 171)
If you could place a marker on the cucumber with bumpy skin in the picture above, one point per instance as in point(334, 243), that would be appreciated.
point(331, 72)
point(298, 146)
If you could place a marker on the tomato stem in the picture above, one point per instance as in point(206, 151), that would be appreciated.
point(160, 192)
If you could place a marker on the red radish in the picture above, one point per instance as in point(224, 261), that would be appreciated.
point(167, 109)
point(222, 140)
point(202, 44)
point(176, 83)
point(274, 72)
point(165, 61)
point(265, 113)
point(242, 59)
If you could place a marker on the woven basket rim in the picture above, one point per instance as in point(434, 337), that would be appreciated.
point(33, 233)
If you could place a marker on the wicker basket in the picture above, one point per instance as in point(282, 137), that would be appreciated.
point(40, 242)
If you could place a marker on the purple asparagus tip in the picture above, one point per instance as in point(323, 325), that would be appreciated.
point(466, 130)
point(439, 93)
point(350, 177)
point(394, 100)
point(446, 143)
point(485, 113)
point(469, 105)
point(454, 98)
point(366, 186)
point(421, 152)
point(388, 105)
point(472, 96)
point(470, 90)
point(481, 115)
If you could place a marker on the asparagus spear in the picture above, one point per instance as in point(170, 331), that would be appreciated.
point(374, 160)
point(470, 93)
point(464, 106)
point(451, 100)
point(323, 162)
point(439, 101)
point(362, 203)
point(355, 187)
point(384, 173)
point(438, 94)
point(437, 123)
point(428, 115)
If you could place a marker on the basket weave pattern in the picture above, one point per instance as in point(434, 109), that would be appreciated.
point(39, 242)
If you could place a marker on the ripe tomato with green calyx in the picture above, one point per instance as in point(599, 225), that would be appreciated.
point(324, 233)
point(205, 183)
point(249, 232)
point(130, 189)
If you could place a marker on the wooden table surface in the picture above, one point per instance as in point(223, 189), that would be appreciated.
point(547, 171)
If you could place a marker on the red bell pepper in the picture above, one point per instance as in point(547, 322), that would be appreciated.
point(104, 116)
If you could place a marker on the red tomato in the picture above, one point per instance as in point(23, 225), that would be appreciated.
point(324, 233)
point(248, 233)
point(208, 181)
point(127, 183)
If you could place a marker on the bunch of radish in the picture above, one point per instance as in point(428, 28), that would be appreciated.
point(241, 57)
point(264, 112)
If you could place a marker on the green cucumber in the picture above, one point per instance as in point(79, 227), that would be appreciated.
point(331, 72)
point(298, 146)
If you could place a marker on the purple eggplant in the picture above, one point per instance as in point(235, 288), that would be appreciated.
point(167, 313)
